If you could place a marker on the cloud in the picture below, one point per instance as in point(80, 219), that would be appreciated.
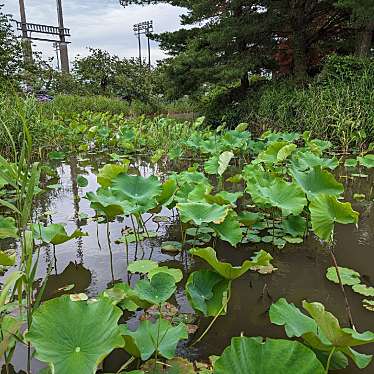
point(101, 24)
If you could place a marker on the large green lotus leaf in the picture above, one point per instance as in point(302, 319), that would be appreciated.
point(367, 161)
point(74, 337)
point(225, 269)
point(285, 152)
point(157, 290)
point(207, 292)
point(325, 210)
point(296, 323)
point(8, 227)
point(316, 181)
point(142, 266)
point(348, 276)
point(304, 160)
point(224, 198)
point(110, 203)
point(288, 197)
point(150, 337)
point(329, 325)
point(138, 190)
point(294, 225)
point(200, 213)
point(270, 154)
point(175, 273)
point(168, 190)
point(211, 165)
point(248, 218)
point(108, 172)
point(254, 356)
point(54, 233)
point(229, 230)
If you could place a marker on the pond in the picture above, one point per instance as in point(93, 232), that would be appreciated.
point(91, 264)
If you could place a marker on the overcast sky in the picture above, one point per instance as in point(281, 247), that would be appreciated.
point(99, 24)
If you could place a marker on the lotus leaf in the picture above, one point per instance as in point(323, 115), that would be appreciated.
point(316, 181)
point(8, 228)
point(7, 258)
point(350, 163)
point(168, 190)
point(110, 171)
point(54, 233)
point(225, 269)
point(150, 337)
point(270, 154)
point(207, 292)
point(157, 290)
point(362, 289)
point(142, 266)
point(366, 161)
point(82, 181)
point(325, 211)
point(56, 155)
point(253, 355)
point(138, 190)
point(200, 213)
point(74, 337)
point(348, 276)
point(175, 273)
point(229, 230)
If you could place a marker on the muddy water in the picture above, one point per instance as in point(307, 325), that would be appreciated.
point(93, 263)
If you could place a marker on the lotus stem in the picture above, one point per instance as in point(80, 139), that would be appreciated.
point(110, 249)
point(215, 317)
point(347, 306)
point(329, 360)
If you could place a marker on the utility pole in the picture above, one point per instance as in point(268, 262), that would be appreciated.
point(63, 46)
point(26, 42)
point(146, 28)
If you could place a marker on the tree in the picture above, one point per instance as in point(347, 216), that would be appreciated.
point(10, 50)
point(230, 39)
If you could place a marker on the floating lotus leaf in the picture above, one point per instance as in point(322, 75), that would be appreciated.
point(225, 269)
point(207, 292)
point(200, 213)
point(368, 304)
point(366, 161)
point(348, 276)
point(54, 233)
point(142, 266)
point(138, 190)
point(326, 210)
point(229, 230)
point(316, 181)
point(74, 337)
point(157, 290)
point(362, 289)
point(8, 227)
point(110, 171)
point(255, 356)
point(150, 337)
point(171, 246)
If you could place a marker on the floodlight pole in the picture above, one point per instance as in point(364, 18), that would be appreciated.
point(149, 52)
point(26, 42)
point(63, 45)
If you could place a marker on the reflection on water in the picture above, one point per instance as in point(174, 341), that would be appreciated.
point(91, 264)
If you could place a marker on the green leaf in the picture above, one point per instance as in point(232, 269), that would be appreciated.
point(348, 276)
point(224, 161)
point(175, 273)
point(362, 289)
point(317, 181)
point(138, 190)
point(254, 356)
point(171, 246)
point(8, 283)
point(108, 172)
point(325, 211)
point(150, 337)
point(229, 230)
point(142, 266)
point(8, 228)
point(82, 181)
point(168, 190)
point(54, 233)
point(296, 323)
point(329, 325)
point(225, 269)
point(366, 161)
point(207, 292)
point(285, 151)
point(200, 213)
point(157, 290)
point(62, 334)
point(56, 155)
point(350, 163)
point(7, 258)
